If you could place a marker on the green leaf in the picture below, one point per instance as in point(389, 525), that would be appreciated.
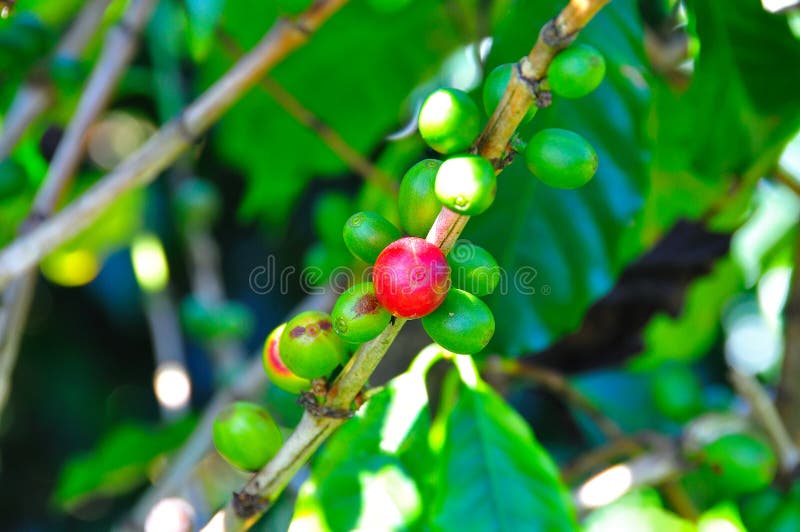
point(204, 16)
point(375, 472)
point(360, 91)
point(120, 462)
point(562, 249)
point(662, 155)
point(736, 116)
point(493, 473)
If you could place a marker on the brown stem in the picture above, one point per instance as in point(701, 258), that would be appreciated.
point(558, 385)
point(36, 95)
point(337, 144)
point(164, 147)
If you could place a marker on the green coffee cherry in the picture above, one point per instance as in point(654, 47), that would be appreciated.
point(309, 346)
point(677, 393)
point(576, 71)
point(449, 121)
point(331, 212)
point(225, 321)
point(473, 269)
point(276, 370)
point(740, 463)
point(366, 234)
point(466, 184)
point(561, 158)
point(358, 316)
point(462, 324)
point(495, 86)
point(786, 518)
point(13, 179)
point(758, 509)
point(246, 436)
point(197, 203)
point(417, 201)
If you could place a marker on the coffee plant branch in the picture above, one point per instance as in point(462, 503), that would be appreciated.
point(37, 93)
point(335, 142)
point(247, 505)
point(164, 146)
point(118, 50)
point(173, 481)
point(765, 414)
point(559, 386)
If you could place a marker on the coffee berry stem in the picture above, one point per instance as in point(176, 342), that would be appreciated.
point(255, 498)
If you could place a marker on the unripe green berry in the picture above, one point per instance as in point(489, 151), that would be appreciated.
point(677, 393)
point(13, 178)
point(740, 463)
point(466, 184)
point(358, 316)
point(495, 86)
point(331, 212)
point(276, 370)
point(576, 71)
point(449, 121)
point(366, 234)
point(473, 269)
point(561, 158)
point(786, 518)
point(462, 324)
point(417, 202)
point(246, 436)
point(197, 203)
point(205, 322)
point(309, 346)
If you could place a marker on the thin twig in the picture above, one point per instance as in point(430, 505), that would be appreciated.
point(789, 385)
point(202, 250)
point(337, 144)
point(247, 506)
point(118, 50)
point(252, 382)
point(650, 469)
point(558, 385)
point(121, 43)
point(36, 94)
point(166, 144)
point(766, 415)
point(165, 333)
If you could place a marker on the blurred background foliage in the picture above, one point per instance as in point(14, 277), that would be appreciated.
point(679, 254)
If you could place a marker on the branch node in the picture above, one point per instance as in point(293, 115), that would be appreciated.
point(186, 131)
point(246, 505)
point(300, 25)
point(544, 98)
point(129, 30)
point(553, 36)
point(309, 401)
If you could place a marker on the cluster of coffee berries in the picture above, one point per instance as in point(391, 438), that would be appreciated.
point(411, 277)
point(557, 157)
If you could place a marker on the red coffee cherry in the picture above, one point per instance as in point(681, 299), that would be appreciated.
point(411, 277)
